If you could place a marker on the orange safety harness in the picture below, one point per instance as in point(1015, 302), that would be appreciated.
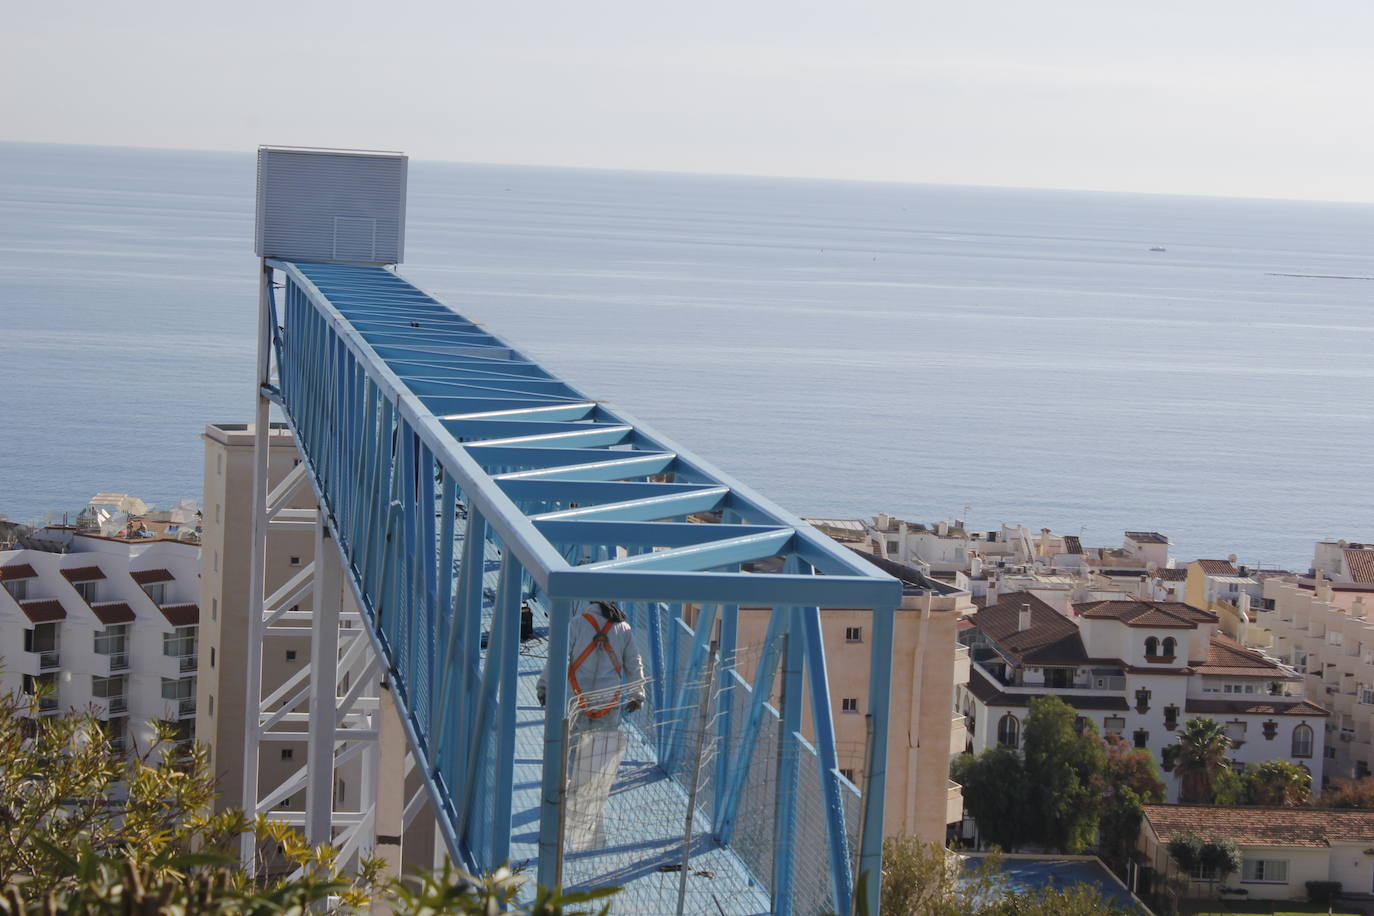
point(601, 639)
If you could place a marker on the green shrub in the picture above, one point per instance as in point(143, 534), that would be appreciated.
point(1323, 892)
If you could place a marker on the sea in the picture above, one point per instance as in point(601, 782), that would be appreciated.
point(845, 348)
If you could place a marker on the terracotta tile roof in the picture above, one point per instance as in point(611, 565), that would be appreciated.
point(1072, 544)
point(1217, 567)
point(989, 693)
point(1147, 537)
point(1228, 657)
point(151, 576)
point(1260, 706)
point(1284, 827)
point(112, 612)
point(17, 571)
point(1172, 575)
point(43, 610)
point(1361, 565)
point(1051, 638)
point(83, 574)
point(1167, 615)
point(181, 615)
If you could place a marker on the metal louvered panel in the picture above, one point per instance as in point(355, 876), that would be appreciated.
point(331, 205)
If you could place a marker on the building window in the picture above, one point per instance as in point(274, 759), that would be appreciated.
point(182, 692)
point(1299, 661)
point(1200, 872)
point(1142, 737)
point(1115, 724)
point(113, 691)
point(295, 561)
point(290, 655)
point(87, 590)
point(1142, 700)
point(214, 609)
point(1302, 741)
point(180, 643)
point(849, 704)
point(1334, 637)
point(113, 640)
point(156, 591)
point(1269, 729)
point(1269, 871)
point(847, 774)
point(892, 548)
point(1170, 646)
point(1361, 769)
point(212, 656)
point(1235, 730)
point(287, 753)
point(1009, 731)
point(212, 705)
point(18, 588)
point(853, 634)
point(1151, 647)
point(1171, 717)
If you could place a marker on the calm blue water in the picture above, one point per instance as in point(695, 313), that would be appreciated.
point(844, 348)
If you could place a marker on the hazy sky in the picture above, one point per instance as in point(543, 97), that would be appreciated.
point(1262, 99)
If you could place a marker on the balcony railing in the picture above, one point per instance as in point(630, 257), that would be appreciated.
point(118, 705)
point(47, 704)
point(119, 662)
point(188, 663)
point(48, 660)
point(186, 707)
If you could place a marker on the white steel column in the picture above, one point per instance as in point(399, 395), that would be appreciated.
point(261, 445)
point(324, 679)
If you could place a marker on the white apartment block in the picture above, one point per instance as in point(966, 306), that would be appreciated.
point(1328, 637)
point(107, 624)
point(1140, 669)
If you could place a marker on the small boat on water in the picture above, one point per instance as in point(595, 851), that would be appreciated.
point(1158, 248)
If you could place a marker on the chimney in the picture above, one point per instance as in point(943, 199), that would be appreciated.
point(942, 528)
point(1023, 621)
point(991, 598)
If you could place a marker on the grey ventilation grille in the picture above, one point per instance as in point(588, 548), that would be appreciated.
point(331, 205)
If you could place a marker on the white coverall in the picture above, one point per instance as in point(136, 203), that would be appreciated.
point(609, 675)
point(605, 672)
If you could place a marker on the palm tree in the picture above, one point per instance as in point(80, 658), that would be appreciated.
point(1202, 750)
point(1280, 783)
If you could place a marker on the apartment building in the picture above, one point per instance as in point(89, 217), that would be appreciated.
point(1140, 669)
point(106, 623)
point(927, 664)
point(1328, 638)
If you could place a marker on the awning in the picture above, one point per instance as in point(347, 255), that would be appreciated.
point(17, 571)
point(43, 610)
point(113, 612)
point(151, 576)
point(83, 574)
point(181, 615)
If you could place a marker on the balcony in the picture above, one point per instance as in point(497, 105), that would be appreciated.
point(188, 663)
point(47, 704)
point(49, 660)
point(954, 802)
point(119, 662)
point(186, 708)
point(118, 706)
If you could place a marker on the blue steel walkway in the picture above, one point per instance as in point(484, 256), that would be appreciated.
point(460, 479)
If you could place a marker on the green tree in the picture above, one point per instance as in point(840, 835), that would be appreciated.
point(85, 830)
point(996, 794)
point(1280, 783)
point(1202, 750)
point(1064, 767)
point(1220, 856)
point(1130, 780)
point(1231, 789)
point(1348, 793)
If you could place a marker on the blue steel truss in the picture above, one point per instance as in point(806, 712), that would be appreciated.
point(460, 479)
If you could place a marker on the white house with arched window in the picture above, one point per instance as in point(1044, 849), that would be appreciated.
point(1137, 668)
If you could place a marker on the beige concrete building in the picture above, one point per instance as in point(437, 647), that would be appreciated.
point(224, 580)
point(1332, 646)
point(927, 664)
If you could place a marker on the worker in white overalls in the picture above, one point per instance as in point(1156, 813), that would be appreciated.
point(605, 676)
